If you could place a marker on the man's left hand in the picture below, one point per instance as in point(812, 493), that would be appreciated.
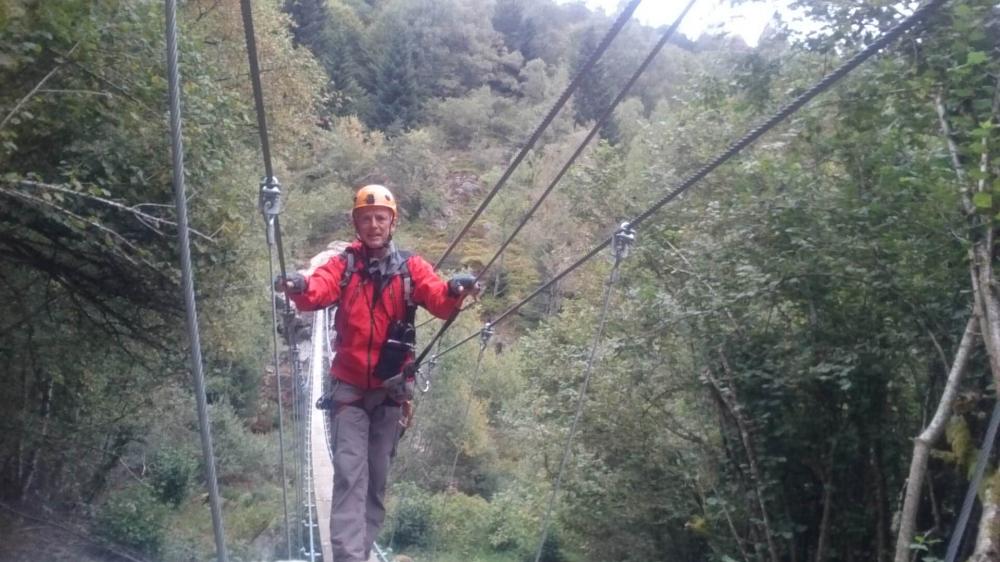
point(464, 285)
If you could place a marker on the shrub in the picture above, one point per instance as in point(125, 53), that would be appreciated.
point(172, 470)
point(409, 523)
point(133, 517)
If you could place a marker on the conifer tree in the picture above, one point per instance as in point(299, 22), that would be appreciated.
point(397, 98)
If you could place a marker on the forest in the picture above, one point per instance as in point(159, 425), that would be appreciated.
point(797, 361)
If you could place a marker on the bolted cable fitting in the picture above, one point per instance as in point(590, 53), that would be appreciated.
point(624, 238)
point(270, 196)
point(270, 204)
point(485, 334)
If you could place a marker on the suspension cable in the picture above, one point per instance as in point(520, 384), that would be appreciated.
point(187, 278)
point(270, 206)
point(281, 416)
point(530, 143)
point(623, 240)
point(484, 339)
point(590, 136)
point(572, 159)
point(735, 148)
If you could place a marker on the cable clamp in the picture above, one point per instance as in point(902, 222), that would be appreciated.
point(623, 240)
point(270, 205)
point(270, 197)
point(485, 334)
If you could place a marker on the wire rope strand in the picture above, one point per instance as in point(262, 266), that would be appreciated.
point(580, 401)
point(281, 417)
point(187, 277)
point(572, 159)
point(613, 31)
point(590, 136)
point(970, 495)
point(916, 17)
point(468, 406)
point(734, 148)
point(258, 91)
point(274, 225)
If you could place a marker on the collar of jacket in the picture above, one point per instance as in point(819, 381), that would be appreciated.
point(388, 265)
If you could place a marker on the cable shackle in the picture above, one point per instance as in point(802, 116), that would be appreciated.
point(624, 238)
point(269, 203)
point(485, 334)
point(270, 197)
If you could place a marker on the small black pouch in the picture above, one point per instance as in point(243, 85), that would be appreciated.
point(397, 349)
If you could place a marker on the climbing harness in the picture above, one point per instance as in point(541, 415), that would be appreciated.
point(187, 278)
point(624, 237)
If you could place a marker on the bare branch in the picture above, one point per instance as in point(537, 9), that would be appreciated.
point(953, 151)
point(930, 434)
point(144, 218)
point(22, 101)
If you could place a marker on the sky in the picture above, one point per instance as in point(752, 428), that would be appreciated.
point(746, 20)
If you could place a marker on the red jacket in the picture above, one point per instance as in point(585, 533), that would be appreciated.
point(361, 328)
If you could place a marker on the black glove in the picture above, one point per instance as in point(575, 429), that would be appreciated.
point(462, 284)
point(294, 284)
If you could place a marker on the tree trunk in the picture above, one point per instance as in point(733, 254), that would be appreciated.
point(881, 501)
point(728, 395)
point(822, 544)
point(987, 539)
point(930, 434)
point(46, 415)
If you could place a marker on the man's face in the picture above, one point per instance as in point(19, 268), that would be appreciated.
point(374, 225)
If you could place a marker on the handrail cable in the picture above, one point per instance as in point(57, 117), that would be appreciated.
point(484, 339)
point(530, 143)
point(572, 159)
point(270, 204)
point(187, 277)
point(281, 415)
point(590, 136)
point(733, 149)
point(970, 495)
point(624, 238)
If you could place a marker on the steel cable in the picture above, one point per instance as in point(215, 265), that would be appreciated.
point(270, 206)
point(530, 143)
point(735, 147)
point(588, 371)
point(187, 277)
point(572, 159)
point(281, 416)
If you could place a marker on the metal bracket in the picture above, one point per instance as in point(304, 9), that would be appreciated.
point(270, 203)
point(623, 240)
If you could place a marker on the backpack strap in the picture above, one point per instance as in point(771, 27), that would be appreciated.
point(345, 278)
point(404, 273)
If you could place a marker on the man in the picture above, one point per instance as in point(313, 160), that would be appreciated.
point(376, 288)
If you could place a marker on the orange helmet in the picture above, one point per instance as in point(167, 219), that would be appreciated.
point(375, 196)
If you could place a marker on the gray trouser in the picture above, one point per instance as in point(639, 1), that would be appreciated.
point(364, 431)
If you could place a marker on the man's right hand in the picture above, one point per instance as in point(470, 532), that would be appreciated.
point(293, 284)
